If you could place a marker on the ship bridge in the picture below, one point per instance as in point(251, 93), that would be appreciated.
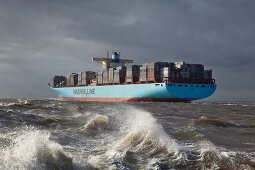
point(114, 61)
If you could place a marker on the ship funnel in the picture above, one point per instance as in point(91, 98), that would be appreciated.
point(115, 56)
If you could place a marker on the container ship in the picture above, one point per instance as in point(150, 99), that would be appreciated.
point(118, 81)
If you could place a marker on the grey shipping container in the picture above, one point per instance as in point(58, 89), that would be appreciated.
point(134, 70)
point(167, 72)
point(143, 73)
point(119, 76)
point(111, 75)
point(72, 79)
point(106, 76)
point(85, 78)
point(153, 74)
point(99, 81)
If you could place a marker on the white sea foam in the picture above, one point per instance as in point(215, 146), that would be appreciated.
point(145, 143)
point(33, 149)
point(6, 104)
point(210, 156)
point(96, 122)
point(141, 135)
point(24, 101)
point(127, 138)
point(144, 130)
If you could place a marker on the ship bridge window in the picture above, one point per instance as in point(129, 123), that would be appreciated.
point(170, 85)
point(197, 85)
point(180, 85)
point(202, 85)
point(186, 85)
point(157, 84)
point(212, 86)
point(191, 85)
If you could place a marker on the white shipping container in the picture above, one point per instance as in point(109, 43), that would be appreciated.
point(180, 64)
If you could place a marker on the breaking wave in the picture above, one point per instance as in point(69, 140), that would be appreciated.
point(212, 157)
point(66, 135)
point(96, 123)
point(33, 149)
point(6, 104)
point(143, 140)
point(145, 145)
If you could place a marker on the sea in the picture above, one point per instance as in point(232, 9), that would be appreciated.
point(55, 134)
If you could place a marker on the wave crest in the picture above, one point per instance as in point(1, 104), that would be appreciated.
point(214, 158)
point(34, 149)
point(142, 141)
point(95, 123)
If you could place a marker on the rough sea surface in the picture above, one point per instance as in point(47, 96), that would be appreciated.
point(52, 134)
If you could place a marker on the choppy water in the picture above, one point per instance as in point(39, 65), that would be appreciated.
point(51, 134)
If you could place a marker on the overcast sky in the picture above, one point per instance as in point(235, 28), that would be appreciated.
point(41, 38)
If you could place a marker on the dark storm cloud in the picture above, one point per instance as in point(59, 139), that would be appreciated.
point(41, 38)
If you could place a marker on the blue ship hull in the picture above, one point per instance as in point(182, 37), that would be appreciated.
point(172, 92)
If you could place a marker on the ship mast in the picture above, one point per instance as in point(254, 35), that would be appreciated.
point(114, 61)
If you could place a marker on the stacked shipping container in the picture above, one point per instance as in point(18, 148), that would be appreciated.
point(168, 73)
point(58, 81)
point(207, 74)
point(132, 74)
point(72, 79)
point(100, 77)
point(111, 75)
point(192, 71)
point(85, 78)
point(148, 72)
point(105, 76)
point(143, 73)
point(120, 74)
point(196, 70)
